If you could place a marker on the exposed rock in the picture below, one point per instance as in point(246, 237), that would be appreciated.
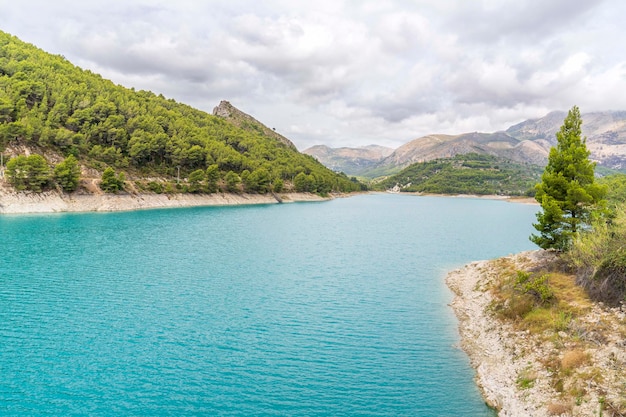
point(504, 357)
point(227, 111)
point(528, 142)
point(12, 202)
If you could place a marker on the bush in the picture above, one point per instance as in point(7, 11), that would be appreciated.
point(67, 174)
point(537, 287)
point(599, 257)
point(155, 187)
point(278, 186)
point(28, 173)
point(196, 181)
point(110, 182)
point(573, 359)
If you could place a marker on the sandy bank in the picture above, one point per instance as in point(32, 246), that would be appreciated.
point(511, 199)
point(502, 355)
point(52, 201)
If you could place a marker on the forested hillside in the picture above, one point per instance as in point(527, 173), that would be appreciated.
point(466, 174)
point(137, 139)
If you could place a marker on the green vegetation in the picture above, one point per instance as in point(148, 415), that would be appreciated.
point(466, 174)
point(567, 193)
point(599, 257)
point(28, 173)
point(597, 253)
point(549, 308)
point(67, 174)
point(111, 182)
point(52, 108)
point(583, 217)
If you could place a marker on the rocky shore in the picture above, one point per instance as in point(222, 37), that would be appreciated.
point(12, 202)
point(577, 371)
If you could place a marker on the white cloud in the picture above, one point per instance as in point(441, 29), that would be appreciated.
point(348, 72)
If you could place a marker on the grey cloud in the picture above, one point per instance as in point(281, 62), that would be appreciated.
point(354, 70)
point(525, 21)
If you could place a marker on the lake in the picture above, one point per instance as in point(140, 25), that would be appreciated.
point(336, 308)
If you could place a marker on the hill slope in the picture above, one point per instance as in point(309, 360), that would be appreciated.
point(605, 132)
point(352, 161)
point(528, 142)
point(51, 107)
point(469, 173)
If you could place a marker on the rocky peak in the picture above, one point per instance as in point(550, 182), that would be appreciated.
point(227, 111)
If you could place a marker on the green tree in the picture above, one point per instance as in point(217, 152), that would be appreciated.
point(196, 179)
point(28, 172)
point(567, 191)
point(212, 177)
point(67, 174)
point(300, 183)
point(112, 183)
point(17, 172)
point(278, 186)
point(232, 182)
point(257, 181)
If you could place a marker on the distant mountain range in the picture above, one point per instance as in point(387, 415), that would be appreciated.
point(352, 161)
point(528, 142)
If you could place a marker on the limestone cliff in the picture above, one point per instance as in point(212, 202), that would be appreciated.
point(229, 112)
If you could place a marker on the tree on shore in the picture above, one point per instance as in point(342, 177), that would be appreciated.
point(28, 172)
point(110, 182)
point(67, 174)
point(567, 192)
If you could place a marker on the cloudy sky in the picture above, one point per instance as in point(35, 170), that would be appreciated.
point(348, 72)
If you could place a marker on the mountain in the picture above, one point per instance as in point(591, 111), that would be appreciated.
point(53, 109)
point(242, 120)
point(354, 161)
point(528, 142)
point(605, 132)
point(499, 144)
point(469, 173)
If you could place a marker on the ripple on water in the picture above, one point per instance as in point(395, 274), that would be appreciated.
point(305, 309)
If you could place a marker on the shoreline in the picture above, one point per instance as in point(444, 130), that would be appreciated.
point(13, 202)
point(27, 202)
point(507, 198)
point(503, 356)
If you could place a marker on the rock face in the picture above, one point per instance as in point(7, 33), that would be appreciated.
point(227, 111)
point(352, 161)
point(605, 132)
point(528, 142)
point(498, 144)
point(12, 202)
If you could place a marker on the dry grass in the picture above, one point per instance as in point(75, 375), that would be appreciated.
point(559, 409)
point(570, 301)
point(568, 324)
point(573, 359)
point(570, 295)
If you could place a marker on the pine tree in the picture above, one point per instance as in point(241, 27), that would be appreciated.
point(567, 192)
point(67, 174)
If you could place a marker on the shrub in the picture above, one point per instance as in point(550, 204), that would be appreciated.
point(573, 359)
point(110, 182)
point(599, 257)
point(538, 287)
point(67, 174)
point(557, 409)
point(526, 379)
point(28, 173)
point(155, 187)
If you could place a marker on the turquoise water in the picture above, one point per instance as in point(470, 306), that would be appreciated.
point(319, 309)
